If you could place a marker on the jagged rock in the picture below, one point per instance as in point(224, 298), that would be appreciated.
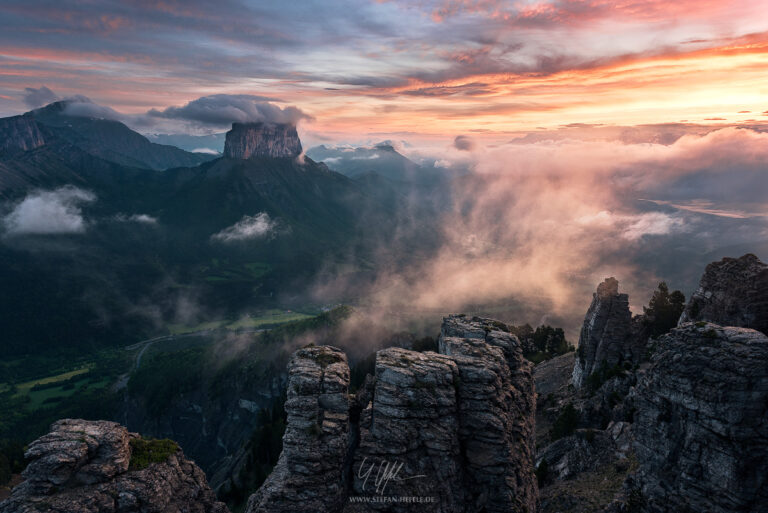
point(608, 334)
point(83, 466)
point(308, 475)
point(247, 140)
point(453, 431)
point(20, 133)
point(700, 426)
point(732, 292)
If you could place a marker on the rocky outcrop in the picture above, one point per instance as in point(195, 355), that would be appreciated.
point(308, 475)
point(732, 292)
point(445, 432)
point(606, 335)
point(496, 397)
point(95, 466)
point(20, 133)
point(700, 422)
point(247, 140)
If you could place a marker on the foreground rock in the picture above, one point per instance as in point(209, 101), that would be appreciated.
point(308, 475)
point(247, 140)
point(95, 466)
point(700, 423)
point(449, 432)
point(732, 292)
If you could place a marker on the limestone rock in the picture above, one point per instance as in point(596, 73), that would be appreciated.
point(701, 435)
point(411, 427)
point(732, 292)
point(308, 474)
point(83, 466)
point(448, 432)
point(247, 140)
point(497, 408)
point(607, 334)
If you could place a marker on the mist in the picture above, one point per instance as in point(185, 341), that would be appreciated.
point(535, 226)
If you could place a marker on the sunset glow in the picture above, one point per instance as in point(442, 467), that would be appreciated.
point(429, 69)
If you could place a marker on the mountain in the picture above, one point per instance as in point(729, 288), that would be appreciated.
point(225, 236)
point(382, 159)
point(111, 139)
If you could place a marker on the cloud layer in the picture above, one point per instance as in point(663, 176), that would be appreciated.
point(49, 212)
point(538, 225)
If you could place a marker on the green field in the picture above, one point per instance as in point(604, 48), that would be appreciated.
point(25, 387)
point(267, 318)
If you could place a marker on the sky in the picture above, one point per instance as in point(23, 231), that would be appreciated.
point(391, 69)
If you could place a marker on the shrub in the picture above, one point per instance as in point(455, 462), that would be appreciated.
point(145, 451)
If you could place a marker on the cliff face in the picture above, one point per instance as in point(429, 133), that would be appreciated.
point(452, 431)
point(700, 423)
point(92, 466)
point(20, 133)
point(247, 140)
point(732, 292)
point(606, 334)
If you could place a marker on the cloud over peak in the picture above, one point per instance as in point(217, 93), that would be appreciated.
point(224, 109)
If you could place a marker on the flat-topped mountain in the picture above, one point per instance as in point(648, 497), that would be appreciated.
point(247, 140)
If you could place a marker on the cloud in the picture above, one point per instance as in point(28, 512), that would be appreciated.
point(207, 151)
point(247, 228)
point(136, 218)
point(225, 109)
point(34, 98)
point(463, 143)
point(49, 212)
point(81, 106)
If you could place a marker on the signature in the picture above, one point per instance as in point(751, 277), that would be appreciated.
point(387, 471)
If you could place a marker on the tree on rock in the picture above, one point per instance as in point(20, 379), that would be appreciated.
point(664, 310)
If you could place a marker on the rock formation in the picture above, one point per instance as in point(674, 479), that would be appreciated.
point(700, 422)
point(452, 432)
point(308, 475)
point(93, 466)
point(20, 133)
point(606, 335)
point(247, 140)
point(732, 292)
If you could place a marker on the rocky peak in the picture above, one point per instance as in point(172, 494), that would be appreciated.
point(606, 333)
point(20, 133)
point(98, 466)
point(609, 287)
point(455, 428)
point(732, 292)
point(247, 140)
